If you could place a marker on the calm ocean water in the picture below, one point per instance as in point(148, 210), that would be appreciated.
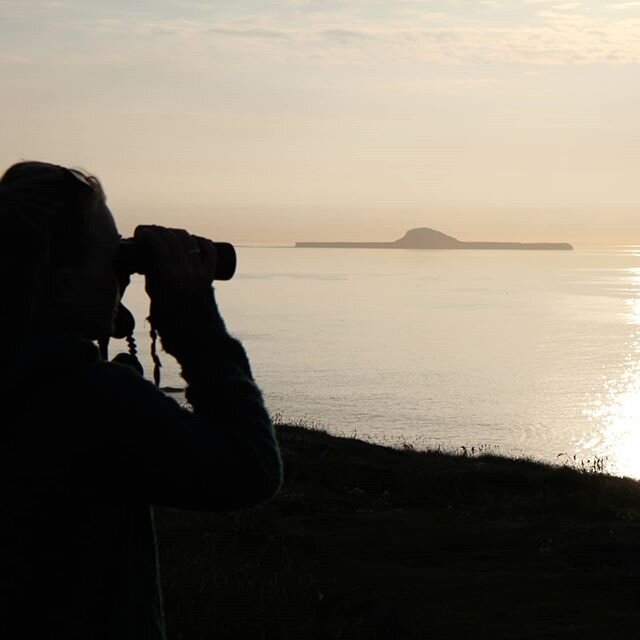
point(528, 353)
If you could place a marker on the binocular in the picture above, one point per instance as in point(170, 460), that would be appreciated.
point(132, 258)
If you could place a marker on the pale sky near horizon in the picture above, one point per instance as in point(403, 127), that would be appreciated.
point(288, 120)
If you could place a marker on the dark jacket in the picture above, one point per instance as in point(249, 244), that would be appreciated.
point(88, 447)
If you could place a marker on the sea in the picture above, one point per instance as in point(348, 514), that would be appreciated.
point(522, 353)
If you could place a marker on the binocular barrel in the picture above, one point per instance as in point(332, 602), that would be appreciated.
point(131, 259)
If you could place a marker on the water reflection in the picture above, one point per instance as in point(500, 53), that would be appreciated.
point(619, 418)
point(618, 413)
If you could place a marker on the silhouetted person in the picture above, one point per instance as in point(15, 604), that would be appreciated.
point(87, 446)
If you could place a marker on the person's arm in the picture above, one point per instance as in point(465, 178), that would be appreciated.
point(223, 455)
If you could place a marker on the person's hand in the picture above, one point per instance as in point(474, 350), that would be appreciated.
point(178, 264)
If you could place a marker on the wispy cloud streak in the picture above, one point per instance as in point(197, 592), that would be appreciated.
point(544, 32)
point(563, 38)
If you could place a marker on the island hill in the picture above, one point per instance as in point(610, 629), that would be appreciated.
point(424, 238)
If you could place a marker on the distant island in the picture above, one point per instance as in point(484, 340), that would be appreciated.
point(424, 238)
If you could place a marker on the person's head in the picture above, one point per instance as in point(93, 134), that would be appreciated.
point(58, 241)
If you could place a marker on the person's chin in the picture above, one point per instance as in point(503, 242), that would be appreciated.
point(97, 332)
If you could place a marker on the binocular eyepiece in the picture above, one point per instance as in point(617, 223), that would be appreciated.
point(132, 258)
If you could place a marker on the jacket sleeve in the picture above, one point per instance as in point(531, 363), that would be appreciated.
point(222, 454)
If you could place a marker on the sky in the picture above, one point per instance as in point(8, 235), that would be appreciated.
point(285, 120)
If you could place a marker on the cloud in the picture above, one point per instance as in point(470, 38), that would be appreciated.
point(622, 6)
point(11, 59)
point(13, 8)
point(557, 33)
point(566, 6)
point(564, 38)
point(549, 32)
point(256, 32)
point(561, 38)
point(346, 35)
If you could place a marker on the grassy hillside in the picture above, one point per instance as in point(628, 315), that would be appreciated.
point(372, 542)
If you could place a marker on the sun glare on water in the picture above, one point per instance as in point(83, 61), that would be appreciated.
point(619, 411)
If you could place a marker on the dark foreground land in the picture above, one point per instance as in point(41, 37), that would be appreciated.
point(371, 542)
